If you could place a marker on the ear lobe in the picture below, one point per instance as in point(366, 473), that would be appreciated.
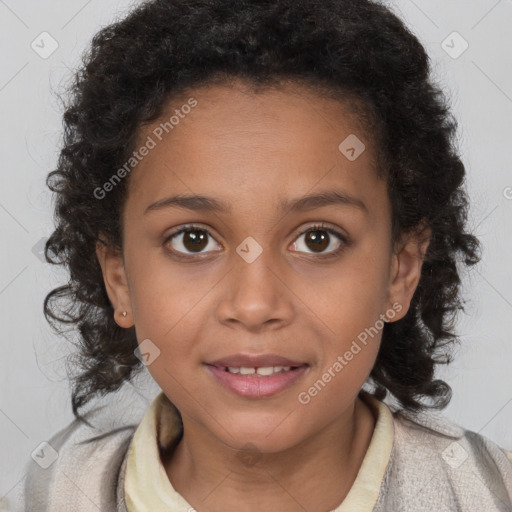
point(406, 268)
point(116, 281)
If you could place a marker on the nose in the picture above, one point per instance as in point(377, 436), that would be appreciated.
point(255, 296)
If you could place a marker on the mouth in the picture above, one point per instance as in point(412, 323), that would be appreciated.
point(257, 381)
point(257, 371)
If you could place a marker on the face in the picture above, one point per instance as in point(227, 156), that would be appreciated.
point(269, 273)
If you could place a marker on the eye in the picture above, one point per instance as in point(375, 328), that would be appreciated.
point(318, 238)
point(192, 238)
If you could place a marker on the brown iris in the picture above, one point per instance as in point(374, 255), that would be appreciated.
point(195, 239)
point(318, 239)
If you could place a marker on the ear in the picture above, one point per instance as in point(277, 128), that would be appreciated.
point(407, 260)
point(116, 282)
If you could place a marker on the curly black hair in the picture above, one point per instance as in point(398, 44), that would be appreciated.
point(356, 49)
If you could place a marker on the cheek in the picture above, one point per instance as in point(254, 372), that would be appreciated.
point(174, 329)
point(353, 295)
point(351, 306)
point(163, 294)
point(170, 306)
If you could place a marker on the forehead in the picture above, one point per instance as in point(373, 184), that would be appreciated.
point(241, 145)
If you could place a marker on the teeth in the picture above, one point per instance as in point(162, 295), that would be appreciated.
point(263, 370)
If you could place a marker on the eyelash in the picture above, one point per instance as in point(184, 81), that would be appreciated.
point(317, 227)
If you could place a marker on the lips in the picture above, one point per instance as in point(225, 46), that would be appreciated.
point(255, 361)
point(257, 387)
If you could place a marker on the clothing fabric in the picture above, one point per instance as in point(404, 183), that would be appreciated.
point(414, 463)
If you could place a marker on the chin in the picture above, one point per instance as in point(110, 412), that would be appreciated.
point(256, 436)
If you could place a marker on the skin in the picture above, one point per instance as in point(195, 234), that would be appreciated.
point(252, 150)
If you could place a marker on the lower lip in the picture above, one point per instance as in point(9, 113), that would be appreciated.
point(251, 386)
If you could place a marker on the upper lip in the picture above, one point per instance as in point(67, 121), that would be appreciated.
point(254, 361)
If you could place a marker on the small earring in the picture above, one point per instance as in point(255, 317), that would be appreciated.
point(124, 313)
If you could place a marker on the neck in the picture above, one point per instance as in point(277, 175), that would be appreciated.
point(316, 474)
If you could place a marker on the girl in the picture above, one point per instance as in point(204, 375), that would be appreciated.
point(261, 203)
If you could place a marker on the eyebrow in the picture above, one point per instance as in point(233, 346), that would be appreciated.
point(201, 203)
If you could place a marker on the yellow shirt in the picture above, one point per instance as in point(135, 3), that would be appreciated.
point(147, 486)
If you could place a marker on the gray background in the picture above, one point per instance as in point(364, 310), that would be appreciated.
point(34, 392)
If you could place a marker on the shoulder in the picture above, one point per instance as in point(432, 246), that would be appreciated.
point(78, 468)
point(434, 431)
point(442, 464)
